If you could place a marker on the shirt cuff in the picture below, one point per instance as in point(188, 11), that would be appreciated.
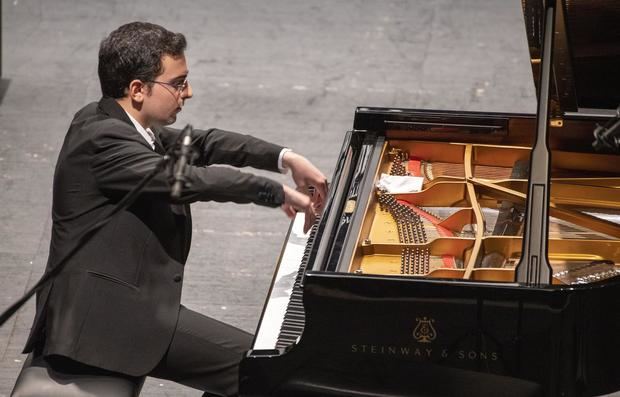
point(281, 166)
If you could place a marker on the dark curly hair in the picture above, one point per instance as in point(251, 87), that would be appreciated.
point(134, 51)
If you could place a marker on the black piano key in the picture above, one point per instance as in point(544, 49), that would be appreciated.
point(292, 329)
point(294, 317)
point(294, 323)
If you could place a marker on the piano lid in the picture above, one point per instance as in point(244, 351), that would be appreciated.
point(586, 56)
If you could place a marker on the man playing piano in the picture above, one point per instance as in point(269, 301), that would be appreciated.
point(115, 307)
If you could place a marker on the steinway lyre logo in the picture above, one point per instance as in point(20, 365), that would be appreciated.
point(424, 332)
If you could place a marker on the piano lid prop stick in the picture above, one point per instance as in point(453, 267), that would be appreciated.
point(534, 268)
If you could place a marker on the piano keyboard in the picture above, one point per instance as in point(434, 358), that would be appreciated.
point(282, 321)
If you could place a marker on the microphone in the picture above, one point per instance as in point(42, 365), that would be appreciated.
point(182, 161)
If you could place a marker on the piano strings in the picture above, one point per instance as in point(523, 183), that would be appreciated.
point(417, 225)
point(404, 164)
point(414, 225)
point(587, 272)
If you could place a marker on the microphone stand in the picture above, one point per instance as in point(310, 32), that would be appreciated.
point(123, 204)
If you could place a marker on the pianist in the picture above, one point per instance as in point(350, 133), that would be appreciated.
point(115, 308)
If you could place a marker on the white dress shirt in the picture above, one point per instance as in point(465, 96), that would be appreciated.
point(145, 132)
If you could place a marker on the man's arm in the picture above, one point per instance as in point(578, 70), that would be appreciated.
point(215, 146)
point(225, 147)
point(120, 160)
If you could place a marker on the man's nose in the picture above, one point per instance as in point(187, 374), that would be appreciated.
point(188, 91)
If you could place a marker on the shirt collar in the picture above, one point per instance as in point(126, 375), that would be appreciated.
point(145, 132)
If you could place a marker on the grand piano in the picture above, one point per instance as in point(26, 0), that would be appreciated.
point(465, 253)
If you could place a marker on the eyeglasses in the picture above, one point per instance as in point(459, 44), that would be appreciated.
point(179, 87)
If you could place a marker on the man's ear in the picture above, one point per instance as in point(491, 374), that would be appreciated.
point(137, 91)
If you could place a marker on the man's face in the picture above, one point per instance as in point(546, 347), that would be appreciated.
point(167, 94)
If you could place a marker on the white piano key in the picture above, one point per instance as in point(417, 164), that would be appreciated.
point(282, 286)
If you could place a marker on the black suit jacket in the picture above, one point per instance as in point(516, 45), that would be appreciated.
point(115, 304)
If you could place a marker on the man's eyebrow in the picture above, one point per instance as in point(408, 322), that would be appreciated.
point(181, 77)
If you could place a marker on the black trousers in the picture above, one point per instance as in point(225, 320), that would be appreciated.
point(204, 354)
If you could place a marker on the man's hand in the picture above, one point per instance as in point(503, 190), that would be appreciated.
point(296, 201)
point(306, 175)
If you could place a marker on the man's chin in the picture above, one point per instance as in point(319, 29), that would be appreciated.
point(163, 123)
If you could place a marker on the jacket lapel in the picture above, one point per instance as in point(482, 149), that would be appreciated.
point(159, 147)
point(110, 107)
